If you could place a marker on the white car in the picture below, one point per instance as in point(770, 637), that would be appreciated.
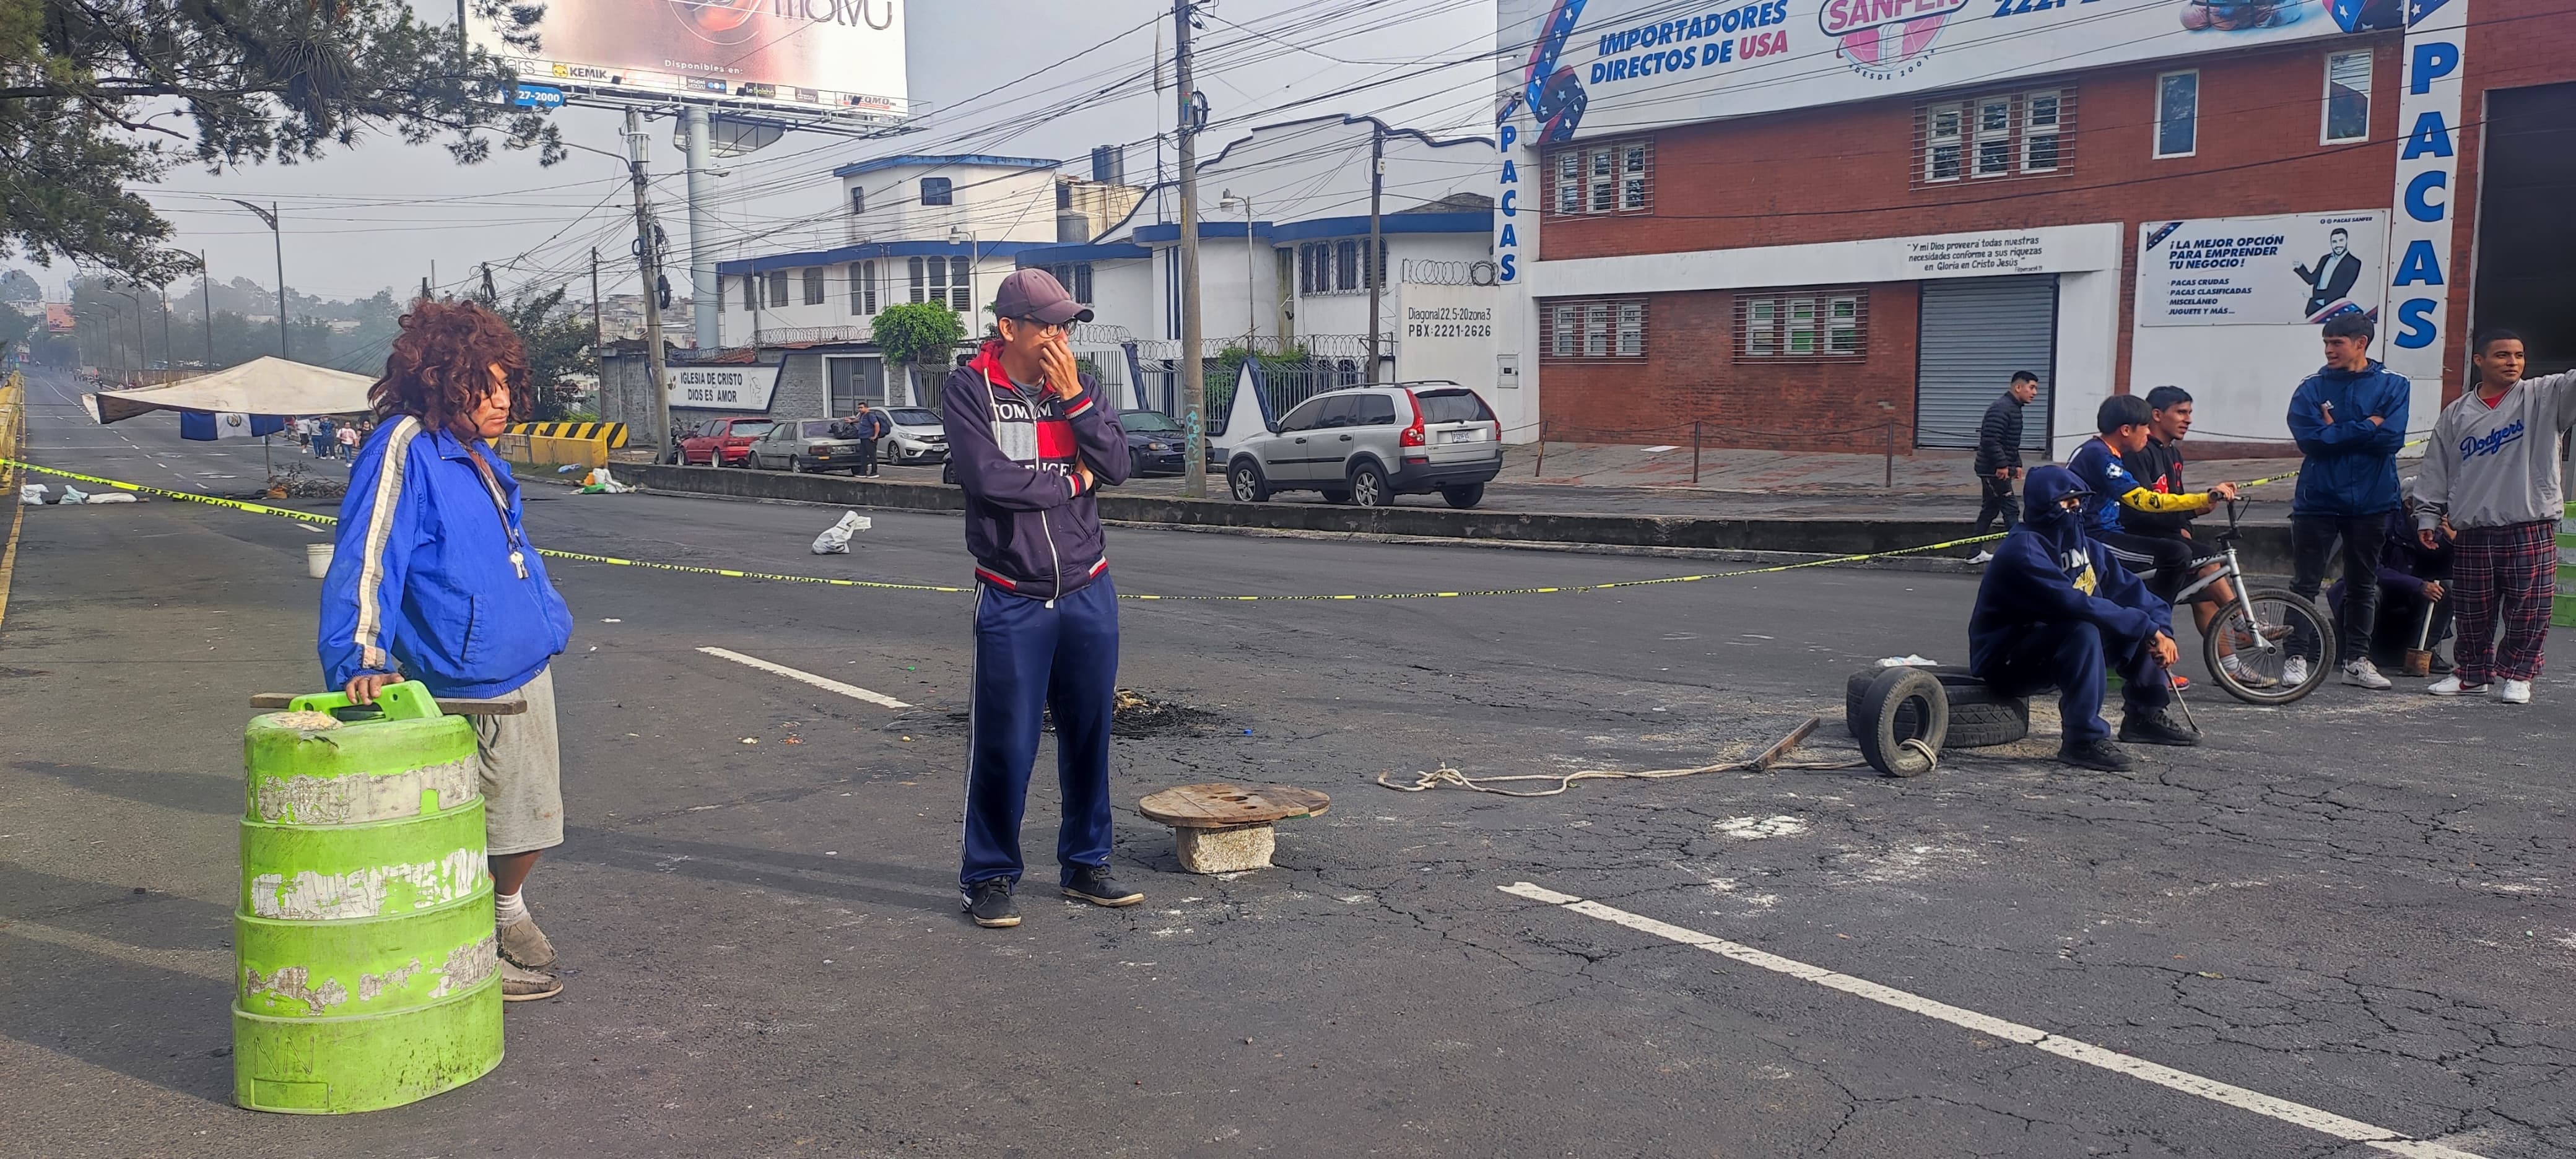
point(917, 437)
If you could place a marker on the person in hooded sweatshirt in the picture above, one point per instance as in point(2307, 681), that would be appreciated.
point(2492, 471)
point(1033, 442)
point(2056, 609)
point(2349, 419)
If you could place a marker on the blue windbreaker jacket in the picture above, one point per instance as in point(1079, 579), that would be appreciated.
point(2352, 461)
point(2048, 572)
point(421, 580)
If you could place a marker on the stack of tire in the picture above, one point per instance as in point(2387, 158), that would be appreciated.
point(1939, 706)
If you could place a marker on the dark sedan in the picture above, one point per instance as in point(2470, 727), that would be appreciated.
point(1155, 444)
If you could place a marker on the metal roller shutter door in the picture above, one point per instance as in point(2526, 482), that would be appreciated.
point(1974, 333)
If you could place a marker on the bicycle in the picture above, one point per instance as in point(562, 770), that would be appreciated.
point(2264, 629)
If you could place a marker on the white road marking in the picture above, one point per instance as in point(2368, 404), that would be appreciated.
point(2297, 1114)
point(827, 684)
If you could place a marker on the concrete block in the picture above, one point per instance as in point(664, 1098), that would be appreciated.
point(1225, 850)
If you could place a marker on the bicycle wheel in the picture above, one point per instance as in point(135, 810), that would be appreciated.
point(2248, 658)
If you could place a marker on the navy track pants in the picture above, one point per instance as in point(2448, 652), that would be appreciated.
point(2070, 657)
point(1031, 656)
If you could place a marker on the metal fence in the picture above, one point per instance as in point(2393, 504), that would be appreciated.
point(1288, 385)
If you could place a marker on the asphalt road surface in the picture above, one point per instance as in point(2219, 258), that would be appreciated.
point(2338, 930)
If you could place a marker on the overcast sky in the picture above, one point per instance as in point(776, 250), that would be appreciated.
point(380, 215)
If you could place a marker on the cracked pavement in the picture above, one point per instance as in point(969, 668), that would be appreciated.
point(2359, 903)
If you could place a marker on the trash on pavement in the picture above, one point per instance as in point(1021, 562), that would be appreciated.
point(114, 497)
point(73, 494)
point(835, 539)
point(32, 494)
point(600, 482)
point(1909, 660)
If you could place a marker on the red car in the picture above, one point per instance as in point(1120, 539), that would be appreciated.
point(722, 442)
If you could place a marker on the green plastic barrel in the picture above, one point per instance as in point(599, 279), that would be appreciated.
point(365, 974)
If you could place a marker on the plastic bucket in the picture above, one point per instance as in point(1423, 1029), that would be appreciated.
point(317, 559)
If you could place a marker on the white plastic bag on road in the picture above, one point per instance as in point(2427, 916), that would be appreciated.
point(113, 497)
point(600, 482)
point(835, 539)
point(73, 494)
point(32, 494)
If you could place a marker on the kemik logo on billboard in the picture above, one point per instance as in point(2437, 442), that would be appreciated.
point(1885, 38)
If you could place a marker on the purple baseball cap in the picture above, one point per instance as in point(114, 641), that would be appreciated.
point(1034, 295)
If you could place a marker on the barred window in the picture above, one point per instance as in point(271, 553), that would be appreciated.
point(961, 282)
point(750, 292)
point(813, 285)
point(1076, 279)
point(1807, 325)
point(1992, 136)
point(863, 288)
point(1593, 330)
point(777, 288)
point(1617, 177)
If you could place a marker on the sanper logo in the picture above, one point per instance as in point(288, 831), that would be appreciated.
point(1885, 38)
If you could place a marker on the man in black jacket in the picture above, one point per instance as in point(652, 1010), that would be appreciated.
point(1999, 453)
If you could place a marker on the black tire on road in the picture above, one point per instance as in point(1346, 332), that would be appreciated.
point(1245, 482)
point(1876, 725)
point(1369, 487)
point(947, 472)
point(795, 465)
point(1979, 716)
point(1335, 495)
point(1464, 497)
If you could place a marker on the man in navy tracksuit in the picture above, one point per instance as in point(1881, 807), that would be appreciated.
point(1032, 442)
point(2055, 608)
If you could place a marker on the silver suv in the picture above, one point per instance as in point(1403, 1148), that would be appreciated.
point(1369, 444)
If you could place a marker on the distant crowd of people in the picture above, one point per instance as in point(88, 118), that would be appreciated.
point(324, 437)
point(2100, 547)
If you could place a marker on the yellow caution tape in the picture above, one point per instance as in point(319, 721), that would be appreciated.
point(2295, 474)
point(734, 573)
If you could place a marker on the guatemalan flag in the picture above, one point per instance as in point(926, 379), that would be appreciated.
point(207, 426)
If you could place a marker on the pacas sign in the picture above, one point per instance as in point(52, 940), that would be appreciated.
point(721, 387)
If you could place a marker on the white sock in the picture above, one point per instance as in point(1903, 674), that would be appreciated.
point(509, 907)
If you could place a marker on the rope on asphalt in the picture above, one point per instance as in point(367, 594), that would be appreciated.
point(1767, 761)
point(736, 573)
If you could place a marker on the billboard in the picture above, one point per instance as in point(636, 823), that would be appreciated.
point(2287, 270)
point(1588, 68)
point(839, 56)
point(743, 388)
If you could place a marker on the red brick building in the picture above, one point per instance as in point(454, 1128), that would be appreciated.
point(1804, 240)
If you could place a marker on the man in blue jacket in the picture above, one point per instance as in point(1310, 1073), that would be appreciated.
point(2056, 609)
point(432, 579)
point(1032, 443)
point(2349, 419)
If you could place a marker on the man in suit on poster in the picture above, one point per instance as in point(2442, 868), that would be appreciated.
point(2332, 279)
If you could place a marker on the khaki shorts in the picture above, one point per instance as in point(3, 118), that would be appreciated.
point(522, 773)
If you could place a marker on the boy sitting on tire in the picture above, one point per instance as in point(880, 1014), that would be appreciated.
point(2055, 608)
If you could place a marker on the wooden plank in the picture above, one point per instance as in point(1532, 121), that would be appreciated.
point(1222, 806)
point(451, 705)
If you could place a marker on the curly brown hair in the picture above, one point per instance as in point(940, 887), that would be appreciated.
point(439, 369)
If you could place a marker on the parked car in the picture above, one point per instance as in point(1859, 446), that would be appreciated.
point(1155, 444)
point(917, 437)
point(1369, 444)
point(804, 445)
point(722, 442)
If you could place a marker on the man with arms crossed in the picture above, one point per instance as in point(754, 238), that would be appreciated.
point(2492, 469)
point(2349, 419)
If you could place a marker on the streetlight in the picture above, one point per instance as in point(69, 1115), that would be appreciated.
point(1251, 270)
point(269, 215)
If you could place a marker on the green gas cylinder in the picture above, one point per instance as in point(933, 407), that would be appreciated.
point(366, 974)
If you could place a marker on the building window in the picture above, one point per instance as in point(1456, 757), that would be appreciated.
point(937, 191)
point(929, 280)
point(863, 288)
point(1996, 135)
point(2347, 96)
point(750, 292)
point(1804, 326)
point(1346, 265)
point(1618, 177)
point(1306, 268)
point(961, 283)
point(1075, 277)
point(813, 285)
point(1600, 330)
point(777, 289)
point(2178, 114)
point(858, 201)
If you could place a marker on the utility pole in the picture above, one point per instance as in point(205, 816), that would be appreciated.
point(649, 258)
point(610, 407)
point(1193, 369)
point(706, 301)
point(1374, 263)
point(206, 282)
point(491, 297)
point(169, 355)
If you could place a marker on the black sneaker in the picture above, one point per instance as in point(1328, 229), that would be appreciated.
point(2094, 754)
point(1093, 884)
point(989, 903)
point(2442, 666)
point(2158, 725)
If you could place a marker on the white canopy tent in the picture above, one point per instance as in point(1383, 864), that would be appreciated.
point(261, 386)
